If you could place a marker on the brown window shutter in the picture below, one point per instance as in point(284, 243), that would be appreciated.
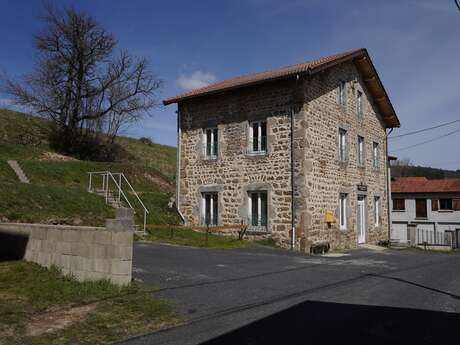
point(434, 204)
point(456, 204)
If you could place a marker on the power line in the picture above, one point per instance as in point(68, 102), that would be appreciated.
point(427, 141)
point(424, 129)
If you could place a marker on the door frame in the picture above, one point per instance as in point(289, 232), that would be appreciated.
point(361, 207)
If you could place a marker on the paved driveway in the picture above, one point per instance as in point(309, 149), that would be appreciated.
point(217, 291)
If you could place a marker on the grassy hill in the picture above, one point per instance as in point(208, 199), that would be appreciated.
point(58, 189)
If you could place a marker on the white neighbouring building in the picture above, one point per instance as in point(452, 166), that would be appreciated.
point(433, 206)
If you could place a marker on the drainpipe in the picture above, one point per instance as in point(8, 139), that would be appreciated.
point(388, 183)
point(293, 232)
point(179, 132)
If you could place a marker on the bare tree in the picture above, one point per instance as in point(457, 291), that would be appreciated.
point(80, 83)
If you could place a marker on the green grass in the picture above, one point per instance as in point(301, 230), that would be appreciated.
point(7, 174)
point(150, 168)
point(27, 291)
point(189, 237)
point(159, 157)
point(32, 203)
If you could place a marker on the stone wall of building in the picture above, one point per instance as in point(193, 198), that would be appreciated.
point(321, 173)
point(87, 253)
point(234, 172)
point(319, 177)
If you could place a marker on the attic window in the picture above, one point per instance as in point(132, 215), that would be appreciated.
point(359, 105)
point(342, 96)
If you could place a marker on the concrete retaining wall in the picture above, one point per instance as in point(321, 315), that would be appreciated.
point(87, 253)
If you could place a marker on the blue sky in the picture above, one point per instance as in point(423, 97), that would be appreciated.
point(414, 44)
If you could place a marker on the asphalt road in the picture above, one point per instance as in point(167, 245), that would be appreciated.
point(271, 296)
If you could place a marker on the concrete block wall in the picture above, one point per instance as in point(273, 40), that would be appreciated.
point(87, 253)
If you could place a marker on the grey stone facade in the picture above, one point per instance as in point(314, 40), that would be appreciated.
point(319, 176)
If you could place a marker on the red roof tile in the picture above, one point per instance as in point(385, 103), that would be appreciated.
point(310, 67)
point(423, 185)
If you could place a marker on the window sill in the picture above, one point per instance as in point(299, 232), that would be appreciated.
point(256, 154)
point(210, 159)
point(421, 218)
point(445, 211)
point(400, 211)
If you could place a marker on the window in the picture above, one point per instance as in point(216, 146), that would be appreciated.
point(343, 145)
point(420, 208)
point(360, 150)
point(342, 96)
point(258, 137)
point(375, 155)
point(377, 211)
point(399, 205)
point(343, 211)
point(209, 208)
point(359, 104)
point(210, 143)
point(445, 204)
point(257, 208)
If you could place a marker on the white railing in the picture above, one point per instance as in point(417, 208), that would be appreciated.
point(118, 179)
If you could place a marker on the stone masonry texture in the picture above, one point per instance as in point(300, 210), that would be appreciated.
point(319, 176)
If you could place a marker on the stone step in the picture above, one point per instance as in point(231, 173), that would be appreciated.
point(19, 172)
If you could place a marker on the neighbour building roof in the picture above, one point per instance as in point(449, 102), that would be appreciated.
point(424, 185)
point(359, 56)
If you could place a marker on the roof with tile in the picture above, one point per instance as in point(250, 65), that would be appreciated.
point(359, 56)
point(424, 185)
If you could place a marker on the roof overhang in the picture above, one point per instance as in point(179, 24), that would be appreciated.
point(359, 57)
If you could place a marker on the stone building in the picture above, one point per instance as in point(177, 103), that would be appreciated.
point(298, 153)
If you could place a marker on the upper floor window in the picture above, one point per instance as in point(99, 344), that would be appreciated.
point(343, 151)
point(343, 211)
point(257, 207)
point(342, 97)
point(359, 104)
point(258, 137)
point(399, 205)
point(360, 150)
point(210, 143)
point(209, 208)
point(376, 211)
point(445, 204)
point(375, 155)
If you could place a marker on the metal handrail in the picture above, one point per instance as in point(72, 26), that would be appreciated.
point(105, 188)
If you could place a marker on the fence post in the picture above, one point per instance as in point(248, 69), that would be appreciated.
point(89, 186)
point(171, 230)
point(207, 234)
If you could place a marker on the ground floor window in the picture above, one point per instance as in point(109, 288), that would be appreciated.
point(257, 208)
point(209, 208)
point(343, 211)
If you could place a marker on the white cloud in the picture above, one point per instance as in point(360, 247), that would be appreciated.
point(195, 80)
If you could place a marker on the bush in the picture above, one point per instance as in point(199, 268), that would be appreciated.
point(146, 140)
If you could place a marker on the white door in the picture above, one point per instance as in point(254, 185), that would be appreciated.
point(361, 221)
point(399, 232)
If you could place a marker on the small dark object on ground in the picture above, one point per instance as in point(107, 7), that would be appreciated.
point(320, 247)
point(384, 243)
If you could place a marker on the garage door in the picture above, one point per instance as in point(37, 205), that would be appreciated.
point(399, 232)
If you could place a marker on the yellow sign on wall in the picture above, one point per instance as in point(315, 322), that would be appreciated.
point(329, 216)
